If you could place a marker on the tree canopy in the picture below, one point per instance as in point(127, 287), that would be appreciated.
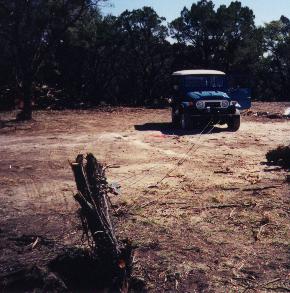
point(69, 46)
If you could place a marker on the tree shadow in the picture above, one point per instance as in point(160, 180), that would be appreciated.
point(168, 129)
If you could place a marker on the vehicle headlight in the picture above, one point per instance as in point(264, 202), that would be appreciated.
point(225, 104)
point(200, 104)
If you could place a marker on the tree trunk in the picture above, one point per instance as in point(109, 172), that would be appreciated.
point(26, 113)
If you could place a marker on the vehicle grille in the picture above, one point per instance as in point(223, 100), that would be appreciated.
point(213, 104)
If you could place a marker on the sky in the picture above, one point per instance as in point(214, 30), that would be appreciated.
point(264, 10)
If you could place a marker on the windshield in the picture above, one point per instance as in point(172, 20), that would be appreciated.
point(195, 83)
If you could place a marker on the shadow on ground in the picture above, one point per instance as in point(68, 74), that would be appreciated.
point(168, 129)
point(74, 270)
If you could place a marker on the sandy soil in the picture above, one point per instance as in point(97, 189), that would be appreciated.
point(218, 223)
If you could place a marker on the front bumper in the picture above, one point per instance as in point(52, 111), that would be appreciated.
point(212, 110)
point(214, 114)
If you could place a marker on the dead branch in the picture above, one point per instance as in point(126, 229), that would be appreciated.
point(230, 188)
point(272, 281)
point(223, 172)
point(261, 188)
point(222, 206)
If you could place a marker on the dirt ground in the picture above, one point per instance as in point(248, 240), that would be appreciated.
point(218, 223)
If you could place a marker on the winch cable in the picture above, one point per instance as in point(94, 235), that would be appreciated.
point(156, 166)
point(138, 174)
point(182, 161)
point(177, 166)
point(179, 163)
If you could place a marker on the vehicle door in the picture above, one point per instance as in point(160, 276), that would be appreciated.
point(242, 96)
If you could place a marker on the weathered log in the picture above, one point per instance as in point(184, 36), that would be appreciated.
point(92, 197)
point(81, 181)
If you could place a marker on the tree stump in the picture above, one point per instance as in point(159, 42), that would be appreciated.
point(113, 256)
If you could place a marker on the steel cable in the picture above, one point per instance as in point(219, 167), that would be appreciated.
point(179, 163)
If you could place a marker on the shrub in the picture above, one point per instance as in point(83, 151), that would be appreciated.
point(280, 156)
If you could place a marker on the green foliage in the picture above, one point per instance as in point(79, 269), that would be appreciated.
point(128, 59)
point(144, 54)
point(220, 38)
point(32, 29)
point(277, 57)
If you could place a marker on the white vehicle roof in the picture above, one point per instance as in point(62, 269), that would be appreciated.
point(198, 72)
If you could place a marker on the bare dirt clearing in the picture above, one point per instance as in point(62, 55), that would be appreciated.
point(221, 220)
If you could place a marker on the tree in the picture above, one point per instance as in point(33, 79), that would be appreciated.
point(87, 58)
point(235, 33)
point(217, 37)
point(33, 28)
point(144, 52)
point(277, 56)
point(196, 27)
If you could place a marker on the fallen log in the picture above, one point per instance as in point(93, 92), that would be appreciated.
point(113, 256)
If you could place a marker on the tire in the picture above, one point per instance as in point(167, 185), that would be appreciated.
point(234, 123)
point(185, 121)
point(175, 118)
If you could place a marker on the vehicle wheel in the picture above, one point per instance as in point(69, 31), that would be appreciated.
point(185, 121)
point(234, 123)
point(175, 117)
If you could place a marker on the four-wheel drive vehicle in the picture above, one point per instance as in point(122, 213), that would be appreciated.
point(202, 97)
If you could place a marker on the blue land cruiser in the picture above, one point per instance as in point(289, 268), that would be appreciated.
point(203, 96)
